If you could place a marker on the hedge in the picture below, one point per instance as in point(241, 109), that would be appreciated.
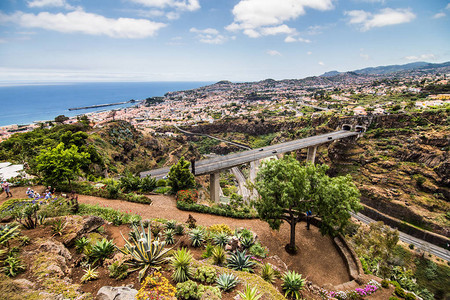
point(214, 210)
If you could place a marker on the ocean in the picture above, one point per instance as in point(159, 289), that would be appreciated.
point(25, 104)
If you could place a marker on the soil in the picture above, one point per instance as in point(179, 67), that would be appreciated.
point(317, 259)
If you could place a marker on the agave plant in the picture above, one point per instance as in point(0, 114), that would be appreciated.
point(101, 250)
point(239, 261)
point(58, 227)
point(218, 255)
point(292, 284)
point(268, 273)
point(169, 233)
point(180, 262)
point(144, 251)
point(250, 293)
point(247, 241)
point(179, 229)
point(81, 244)
point(7, 233)
point(171, 224)
point(227, 281)
point(89, 274)
point(12, 266)
point(197, 237)
point(221, 239)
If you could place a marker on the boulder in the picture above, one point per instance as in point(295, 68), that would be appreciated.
point(24, 283)
point(77, 226)
point(55, 247)
point(116, 293)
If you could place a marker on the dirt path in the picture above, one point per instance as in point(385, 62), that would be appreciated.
point(318, 259)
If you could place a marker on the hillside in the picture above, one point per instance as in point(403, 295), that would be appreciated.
point(400, 164)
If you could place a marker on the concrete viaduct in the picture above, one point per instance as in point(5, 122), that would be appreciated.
point(214, 166)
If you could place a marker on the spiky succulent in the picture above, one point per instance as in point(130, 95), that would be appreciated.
point(144, 251)
point(227, 281)
point(180, 262)
point(239, 261)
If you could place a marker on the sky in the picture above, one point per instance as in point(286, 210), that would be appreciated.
point(212, 40)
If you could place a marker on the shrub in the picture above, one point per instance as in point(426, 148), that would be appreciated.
point(147, 184)
point(156, 287)
point(292, 284)
point(221, 239)
point(197, 236)
point(411, 246)
point(385, 283)
point(145, 252)
point(258, 250)
point(205, 274)
point(209, 292)
point(250, 293)
point(268, 273)
point(227, 281)
point(118, 270)
point(187, 290)
point(161, 183)
point(208, 251)
point(113, 189)
point(89, 274)
point(218, 255)
point(216, 210)
point(220, 228)
point(27, 216)
point(393, 298)
point(400, 292)
point(246, 241)
point(410, 296)
point(101, 250)
point(180, 262)
point(187, 196)
point(239, 261)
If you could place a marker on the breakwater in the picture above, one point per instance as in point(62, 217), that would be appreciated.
point(102, 105)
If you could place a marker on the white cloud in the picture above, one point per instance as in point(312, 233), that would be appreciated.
point(263, 17)
point(277, 30)
point(209, 36)
point(309, 52)
point(439, 15)
point(428, 56)
point(87, 23)
point(190, 5)
point(273, 53)
point(292, 39)
point(321, 63)
point(448, 6)
point(173, 15)
point(385, 17)
point(54, 3)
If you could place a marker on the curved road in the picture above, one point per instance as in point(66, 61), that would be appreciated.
point(418, 243)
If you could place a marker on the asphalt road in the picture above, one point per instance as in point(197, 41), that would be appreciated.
point(217, 164)
point(418, 243)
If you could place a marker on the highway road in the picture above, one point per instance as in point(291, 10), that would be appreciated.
point(418, 243)
point(217, 164)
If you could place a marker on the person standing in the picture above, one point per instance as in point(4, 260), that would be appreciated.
point(6, 187)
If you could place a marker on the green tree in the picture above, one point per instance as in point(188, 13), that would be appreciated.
point(58, 163)
point(61, 119)
point(180, 177)
point(288, 190)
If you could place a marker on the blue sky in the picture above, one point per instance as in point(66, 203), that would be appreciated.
point(211, 40)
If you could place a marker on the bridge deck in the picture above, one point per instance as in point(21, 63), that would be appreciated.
point(212, 165)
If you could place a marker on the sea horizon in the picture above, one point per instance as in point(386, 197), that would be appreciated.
point(26, 103)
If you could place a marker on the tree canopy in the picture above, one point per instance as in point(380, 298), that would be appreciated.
point(289, 190)
point(180, 177)
point(58, 163)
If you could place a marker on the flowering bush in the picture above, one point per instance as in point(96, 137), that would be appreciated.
point(187, 196)
point(156, 287)
point(371, 287)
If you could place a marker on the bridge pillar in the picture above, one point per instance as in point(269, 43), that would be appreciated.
point(214, 187)
point(311, 156)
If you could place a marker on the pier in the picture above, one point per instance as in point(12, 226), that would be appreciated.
point(102, 105)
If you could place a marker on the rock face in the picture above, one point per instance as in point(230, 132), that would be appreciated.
point(116, 293)
point(78, 226)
